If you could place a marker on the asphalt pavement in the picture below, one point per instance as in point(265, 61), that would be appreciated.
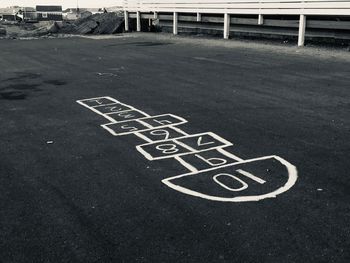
point(71, 191)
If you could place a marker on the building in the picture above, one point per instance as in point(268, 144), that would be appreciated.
point(76, 13)
point(70, 14)
point(49, 13)
point(8, 17)
point(27, 14)
point(9, 10)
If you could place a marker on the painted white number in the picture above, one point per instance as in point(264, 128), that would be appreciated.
point(114, 108)
point(200, 143)
point(163, 122)
point(125, 115)
point(164, 133)
point(167, 148)
point(244, 184)
point(98, 102)
point(126, 127)
point(212, 161)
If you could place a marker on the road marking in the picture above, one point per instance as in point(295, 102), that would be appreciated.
point(160, 134)
point(164, 140)
point(186, 164)
point(230, 155)
point(251, 176)
point(292, 178)
point(179, 143)
point(244, 184)
point(114, 126)
point(99, 102)
point(201, 143)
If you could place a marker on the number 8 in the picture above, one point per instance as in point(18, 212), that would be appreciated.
point(167, 148)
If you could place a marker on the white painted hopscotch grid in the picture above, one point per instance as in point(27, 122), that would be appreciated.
point(203, 154)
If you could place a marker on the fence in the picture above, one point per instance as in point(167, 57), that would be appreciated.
point(243, 7)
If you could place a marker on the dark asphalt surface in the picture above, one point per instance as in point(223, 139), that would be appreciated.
point(92, 197)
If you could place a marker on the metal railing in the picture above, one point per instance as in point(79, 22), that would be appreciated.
point(228, 7)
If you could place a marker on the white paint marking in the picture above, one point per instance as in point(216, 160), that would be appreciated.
point(98, 98)
point(81, 102)
point(111, 131)
point(211, 160)
point(176, 141)
point(186, 164)
point(143, 137)
point(144, 153)
point(163, 122)
point(125, 127)
point(244, 184)
point(113, 108)
point(93, 108)
point(292, 178)
point(215, 136)
point(185, 145)
point(251, 176)
point(292, 171)
point(230, 155)
point(160, 132)
point(144, 123)
point(179, 131)
point(140, 120)
point(167, 148)
point(200, 143)
point(181, 120)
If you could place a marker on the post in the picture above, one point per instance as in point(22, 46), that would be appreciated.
point(226, 26)
point(155, 15)
point(175, 23)
point(199, 17)
point(126, 20)
point(302, 27)
point(138, 21)
point(261, 20)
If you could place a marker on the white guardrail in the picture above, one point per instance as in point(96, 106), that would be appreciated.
point(252, 7)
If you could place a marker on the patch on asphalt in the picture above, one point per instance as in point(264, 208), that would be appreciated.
point(55, 82)
point(13, 95)
point(24, 75)
point(18, 91)
point(13, 88)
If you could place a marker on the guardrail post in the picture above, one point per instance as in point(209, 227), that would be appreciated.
point(226, 26)
point(199, 17)
point(138, 21)
point(261, 20)
point(302, 27)
point(126, 20)
point(175, 22)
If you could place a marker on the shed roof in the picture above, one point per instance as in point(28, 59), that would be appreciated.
point(49, 8)
point(28, 9)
